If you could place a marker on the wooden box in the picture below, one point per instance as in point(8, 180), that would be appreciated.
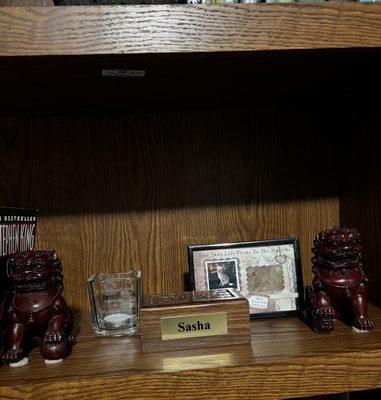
point(194, 319)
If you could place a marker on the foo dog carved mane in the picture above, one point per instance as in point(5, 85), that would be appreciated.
point(36, 312)
point(339, 287)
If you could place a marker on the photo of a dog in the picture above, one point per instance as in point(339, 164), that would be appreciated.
point(222, 274)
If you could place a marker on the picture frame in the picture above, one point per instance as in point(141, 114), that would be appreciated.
point(267, 272)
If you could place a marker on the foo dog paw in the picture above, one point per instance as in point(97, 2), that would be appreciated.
point(363, 324)
point(12, 356)
point(324, 312)
point(322, 320)
point(54, 337)
point(324, 325)
point(56, 351)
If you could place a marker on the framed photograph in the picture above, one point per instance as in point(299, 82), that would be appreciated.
point(268, 273)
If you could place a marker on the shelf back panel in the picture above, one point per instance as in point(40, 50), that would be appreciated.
point(121, 191)
point(360, 203)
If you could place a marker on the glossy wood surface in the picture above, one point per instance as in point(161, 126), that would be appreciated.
point(125, 191)
point(184, 29)
point(286, 359)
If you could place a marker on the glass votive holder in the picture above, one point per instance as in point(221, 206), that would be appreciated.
point(115, 302)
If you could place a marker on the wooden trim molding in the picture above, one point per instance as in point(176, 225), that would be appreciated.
point(184, 29)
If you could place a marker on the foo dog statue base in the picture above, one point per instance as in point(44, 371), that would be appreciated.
point(54, 361)
point(21, 363)
point(354, 329)
point(338, 290)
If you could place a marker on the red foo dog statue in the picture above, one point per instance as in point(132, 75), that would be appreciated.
point(338, 289)
point(37, 313)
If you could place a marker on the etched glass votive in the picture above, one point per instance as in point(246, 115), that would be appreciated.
point(115, 302)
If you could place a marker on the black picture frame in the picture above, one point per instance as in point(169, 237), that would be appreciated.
point(192, 249)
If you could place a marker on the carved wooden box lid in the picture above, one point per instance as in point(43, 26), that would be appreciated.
point(188, 298)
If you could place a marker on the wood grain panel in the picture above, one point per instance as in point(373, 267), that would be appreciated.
point(360, 204)
point(184, 29)
point(26, 3)
point(286, 359)
point(131, 191)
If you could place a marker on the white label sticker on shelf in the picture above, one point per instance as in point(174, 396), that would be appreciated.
point(258, 301)
point(123, 73)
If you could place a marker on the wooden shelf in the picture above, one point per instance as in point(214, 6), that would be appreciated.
point(221, 174)
point(185, 29)
point(286, 360)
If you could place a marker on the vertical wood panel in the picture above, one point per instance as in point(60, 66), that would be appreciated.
point(123, 191)
point(360, 204)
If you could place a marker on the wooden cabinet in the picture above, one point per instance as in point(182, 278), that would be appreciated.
point(251, 122)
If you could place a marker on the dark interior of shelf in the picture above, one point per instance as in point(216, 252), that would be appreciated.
point(324, 78)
